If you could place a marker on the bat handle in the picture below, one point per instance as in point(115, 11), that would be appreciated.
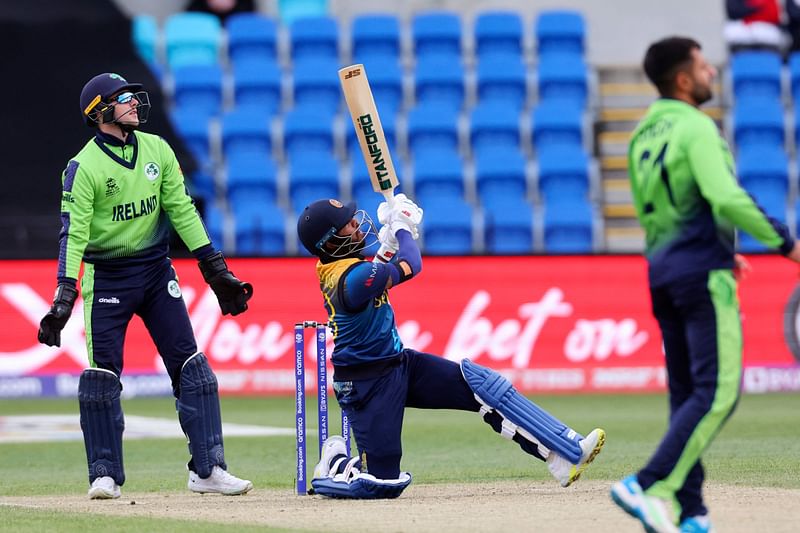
point(389, 195)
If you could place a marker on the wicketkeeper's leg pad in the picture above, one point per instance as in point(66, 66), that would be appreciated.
point(520, 415)
point(102, 423)
point(361, 486)
point(199, 415)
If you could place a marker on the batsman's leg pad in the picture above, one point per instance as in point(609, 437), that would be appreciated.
point(199, 415)
point(522, 416)
point(361, 487)
point(102, 423)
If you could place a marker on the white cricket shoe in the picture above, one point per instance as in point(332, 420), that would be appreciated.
point(333, 446)
point(104, 488)
point(220, 482)
point(567, 473)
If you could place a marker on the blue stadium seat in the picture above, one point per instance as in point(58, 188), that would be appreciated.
point(257, 83)
point(312, 175)
point(315, 38)
point(308, 128)
point(447, 229)
point(260, 228)
point(436, 33)
point(563, 172)
point(438, 173)
point(773, 201)
point(368, 200)
point(439, 81)
point(386, 81)
point(556, 121)
point(560, 31)
point(509, 225)
point(376, 35)
point(763, 167)
point(500, 173)
point(498, 32)
point(214, 219)
point(251, 37)
point(563, 76)
point(432, 128)
point(246, 130)
point(193, 129)
point(568, 226)
point(494, 124)
point(758, 121)
point(756, 73)
point(502, 77)
point(253, 176)
point(201, 185)
point(199, 88)
point(291, 10)
point(145, 37)
point(316, 83)
point(192, 39)
point(794, 76)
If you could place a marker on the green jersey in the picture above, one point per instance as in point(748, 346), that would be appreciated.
point(118, 201)
point(687, 197)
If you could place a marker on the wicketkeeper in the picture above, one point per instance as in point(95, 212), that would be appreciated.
point(121, 193)
point(376, 378)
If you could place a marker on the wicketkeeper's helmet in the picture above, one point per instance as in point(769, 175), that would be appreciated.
point(96, 96)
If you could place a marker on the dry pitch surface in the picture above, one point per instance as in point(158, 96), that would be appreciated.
point(493, 506)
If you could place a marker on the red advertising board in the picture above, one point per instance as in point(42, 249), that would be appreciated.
point(551, 324)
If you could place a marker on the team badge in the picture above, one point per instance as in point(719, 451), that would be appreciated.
point(335, 203)
point(174, 289)
point(152, 171)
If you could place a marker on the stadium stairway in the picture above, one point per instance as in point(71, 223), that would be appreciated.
point(624, 95)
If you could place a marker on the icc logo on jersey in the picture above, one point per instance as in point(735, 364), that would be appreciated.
point(152, 171)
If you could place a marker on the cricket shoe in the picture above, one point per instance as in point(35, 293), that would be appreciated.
point(697, 524)
point(220, 482)
point(104, 488)
point(333, 447)
point(654, 513)
point(567, 473)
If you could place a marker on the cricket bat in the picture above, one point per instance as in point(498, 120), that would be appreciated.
point(369, 130)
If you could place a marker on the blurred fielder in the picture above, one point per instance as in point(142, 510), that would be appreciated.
point(375, 378)
point(120, 195)
point(689, 202)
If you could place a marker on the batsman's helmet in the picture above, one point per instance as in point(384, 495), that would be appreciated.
point(96, 94)
point(320, 222)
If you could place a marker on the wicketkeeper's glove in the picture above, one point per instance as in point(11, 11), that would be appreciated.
point(403, 214)
point(56, 318)
point(231, 292)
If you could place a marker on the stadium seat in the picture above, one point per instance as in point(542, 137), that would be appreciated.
point(559, 31)
point(563, 76)
point(438, 173)
point(494, 124)
point(251, 176)
point(214, 219)
point(386, 81)
point(192, 39)
point(145, 37)
point(314, 38)
point(251, 37)
point(436, 33)
point(257, 83)
point(763, 167)
point(447, 229)
point(556, 121)
point(568, 226)
point(432, 128)
point(439, 81)
point(376, 36)
point(260, 228)
point(774, 204)
point(563, 172)
point(500, 173)
point(193, 129)
point(198, 89)
point(502, 77)
point(756, 73)
point(509, 225)
point(291, 10)
point(498, 32)
point(312, 175)
point(246, 130)
point(794, 76)
point(201, 185)
point(316, 83)
point(758, 121)
point(308, 128)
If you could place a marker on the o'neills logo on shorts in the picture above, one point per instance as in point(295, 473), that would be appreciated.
point(112, 300)
point(791, 323)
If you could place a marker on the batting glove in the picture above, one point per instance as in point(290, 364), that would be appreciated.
point(389, 245)
point(56, 318)
point(231, 292)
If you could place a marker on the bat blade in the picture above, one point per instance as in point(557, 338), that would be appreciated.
point(369, 130)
